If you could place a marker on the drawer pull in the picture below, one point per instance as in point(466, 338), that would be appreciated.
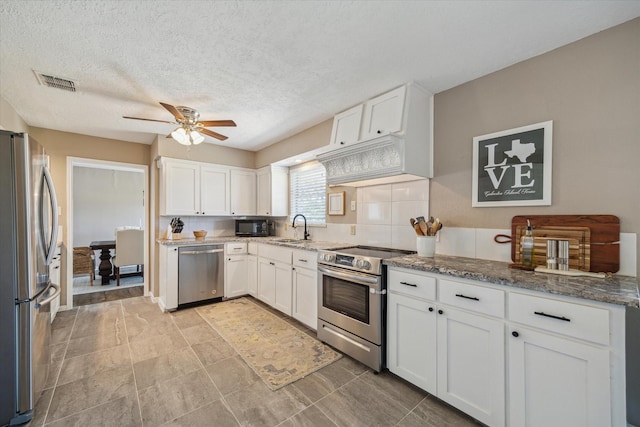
point(302, 260)
point(540, 313)
point(464, 296)
point(409, 284)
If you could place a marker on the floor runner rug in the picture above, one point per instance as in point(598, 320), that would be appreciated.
point(276, 350)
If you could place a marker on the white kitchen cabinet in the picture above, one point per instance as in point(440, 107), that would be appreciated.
point(192, 188)
point(471, 365)
point(546, 369)
point(267, 281)
point(305, 288)
point(215, 196)
point(284, 287)
point(274, 276)
point(243, 192)
point(411, 338)
point(565, 362)
point(272, 191)
point(235, 270)
point(346, 127)
point(454, 354)
point(384, 114)
point(168, 277)
point(252, 275)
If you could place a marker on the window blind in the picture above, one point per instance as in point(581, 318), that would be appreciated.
point(308, 192)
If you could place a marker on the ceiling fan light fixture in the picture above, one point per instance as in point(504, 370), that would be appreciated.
point(195, 137)
point(180, 135)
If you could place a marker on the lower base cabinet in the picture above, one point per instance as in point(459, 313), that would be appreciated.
point(235, 276)
point(305, 296)
point(252, 275)
point(411, 351)
point(506, 357)
point(168, 277)
point(471, 365)
point(454, 355)
point(557, 382)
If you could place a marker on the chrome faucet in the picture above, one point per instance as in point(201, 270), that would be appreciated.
point(293, 224)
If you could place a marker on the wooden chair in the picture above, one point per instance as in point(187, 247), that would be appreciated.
point(83, 262)
point(129, 250)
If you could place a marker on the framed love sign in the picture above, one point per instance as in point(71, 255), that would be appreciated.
point(513, 167)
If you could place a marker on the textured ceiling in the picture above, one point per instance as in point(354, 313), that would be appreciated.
point(275, 67)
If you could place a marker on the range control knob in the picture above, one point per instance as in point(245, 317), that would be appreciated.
point(321, 256)
point(359, 263)
point(328, 257)
point(366, 265)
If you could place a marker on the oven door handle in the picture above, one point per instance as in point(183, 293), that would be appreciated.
point(350, 277)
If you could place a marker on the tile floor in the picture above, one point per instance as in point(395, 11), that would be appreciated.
point(125, 363)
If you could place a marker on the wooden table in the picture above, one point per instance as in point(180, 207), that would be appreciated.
point(105, 268)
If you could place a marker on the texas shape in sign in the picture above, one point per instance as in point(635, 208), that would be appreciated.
point(521, 151)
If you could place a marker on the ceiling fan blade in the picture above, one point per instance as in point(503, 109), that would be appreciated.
point(213, 134)
point(149, 120)
point(207, 123)
point(173, 110)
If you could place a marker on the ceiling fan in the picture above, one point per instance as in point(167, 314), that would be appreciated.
point(190, 128)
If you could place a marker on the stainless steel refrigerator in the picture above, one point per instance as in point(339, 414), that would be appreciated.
point(28, 228)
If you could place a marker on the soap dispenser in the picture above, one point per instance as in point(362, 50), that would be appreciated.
point(526, 246)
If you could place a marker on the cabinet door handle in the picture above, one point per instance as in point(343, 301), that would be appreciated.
point(430, 308)
point(515, 334)
point(409, 284)
point(540, 313)
point(378, 131)
point(272, 263)
point(341, 142)
point(202, 212)
point(440, 312)
point(464, 296)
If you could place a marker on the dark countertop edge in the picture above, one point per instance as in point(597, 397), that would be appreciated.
point(311, 245)
point(618, 290)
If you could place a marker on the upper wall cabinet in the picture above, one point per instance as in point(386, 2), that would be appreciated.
point(384, 114)
point(190, 188)
point(346, 127)
point(273, 191)
point(243, 192)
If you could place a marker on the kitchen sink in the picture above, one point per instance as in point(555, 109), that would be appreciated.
point(292, 241)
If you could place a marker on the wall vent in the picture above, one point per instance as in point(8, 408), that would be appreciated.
point(56, 82)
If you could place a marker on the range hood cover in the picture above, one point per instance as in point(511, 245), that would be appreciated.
point(381, 157)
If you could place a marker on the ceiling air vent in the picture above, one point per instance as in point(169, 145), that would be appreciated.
point(55, 82)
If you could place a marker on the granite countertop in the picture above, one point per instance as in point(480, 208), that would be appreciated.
point(621, 290)
point(307, 245)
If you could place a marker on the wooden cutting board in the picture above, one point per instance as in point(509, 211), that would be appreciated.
point(597, 250)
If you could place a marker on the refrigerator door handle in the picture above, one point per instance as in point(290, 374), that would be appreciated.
point(50, 297)
point(54, 215)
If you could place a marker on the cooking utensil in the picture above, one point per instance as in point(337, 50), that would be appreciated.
point(417, 229)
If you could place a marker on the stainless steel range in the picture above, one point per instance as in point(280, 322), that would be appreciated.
point(352, 302)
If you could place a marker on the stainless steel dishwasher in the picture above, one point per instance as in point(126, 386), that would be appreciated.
point(200, 273)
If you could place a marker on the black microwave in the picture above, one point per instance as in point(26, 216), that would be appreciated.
point(255, 227)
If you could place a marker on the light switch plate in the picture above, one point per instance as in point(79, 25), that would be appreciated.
point(353, 229)
point(353, 207)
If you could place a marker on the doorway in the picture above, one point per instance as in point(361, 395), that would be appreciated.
point(103, 196)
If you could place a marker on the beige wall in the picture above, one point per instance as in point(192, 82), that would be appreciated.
point(305, 141)
point(60, 145)
point(9, 119)
point(208, 153)
point(591, 91)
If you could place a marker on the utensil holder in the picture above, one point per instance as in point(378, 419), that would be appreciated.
point(426, 246)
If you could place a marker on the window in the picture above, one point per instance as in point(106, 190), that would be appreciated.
point(308, 192)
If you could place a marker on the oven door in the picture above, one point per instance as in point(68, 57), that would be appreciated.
point(351, 301)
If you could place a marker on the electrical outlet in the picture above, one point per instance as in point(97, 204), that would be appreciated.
point(353, 208)
point(353, 228)
point(286, 226)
